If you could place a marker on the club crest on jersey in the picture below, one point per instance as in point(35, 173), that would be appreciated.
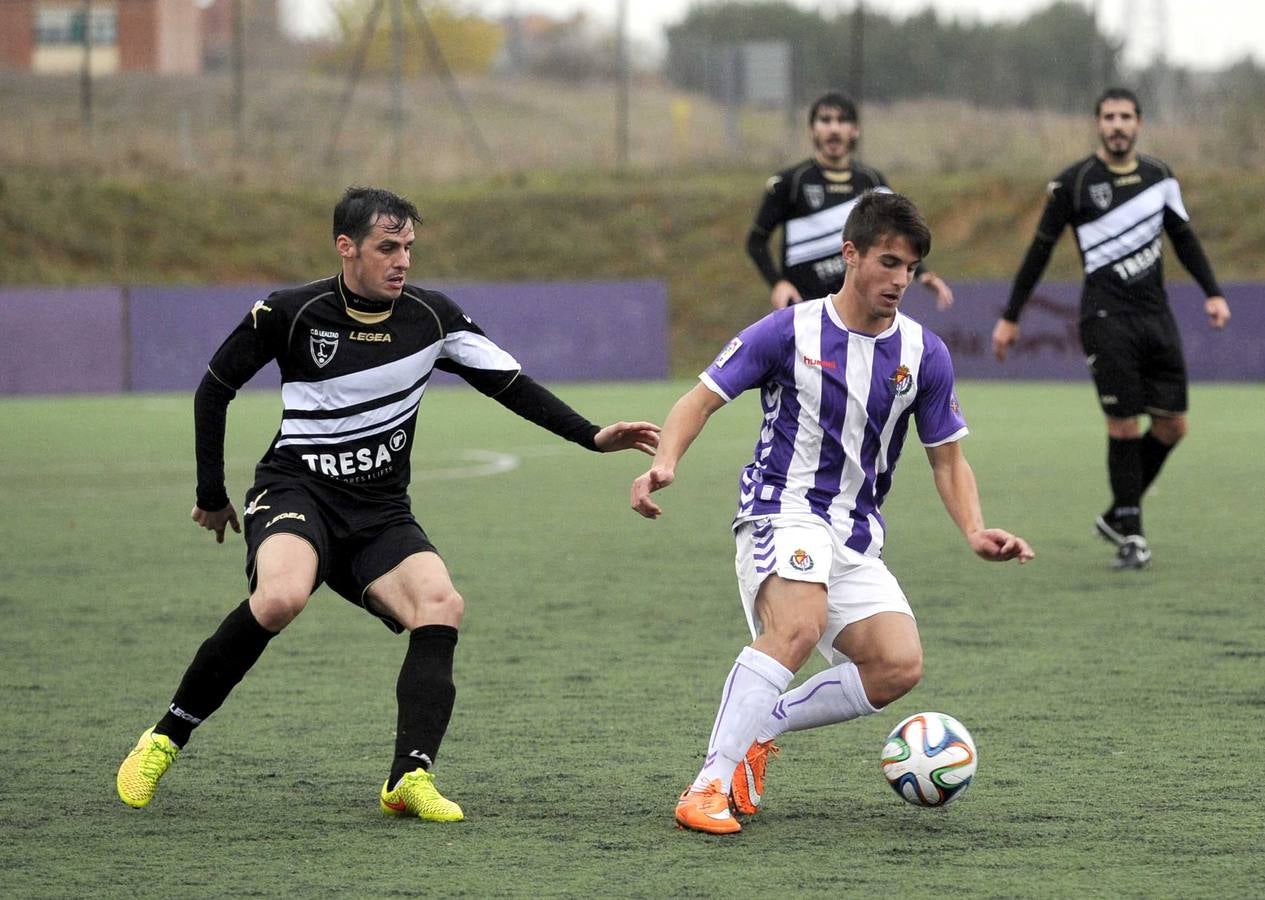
point(323, 344)
point(902, 380)
point(815, 194)
point(1101, 194)
point(800, 560)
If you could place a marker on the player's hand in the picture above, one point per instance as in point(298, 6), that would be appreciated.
point(643, 436)
point(934, 283)
point(1005, 333)
point(216, 521)
point(996, 545)
point(644, 485)
point(783, 295)
point(1218, 311)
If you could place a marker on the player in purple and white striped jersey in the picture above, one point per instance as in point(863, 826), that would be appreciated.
point(839, 379)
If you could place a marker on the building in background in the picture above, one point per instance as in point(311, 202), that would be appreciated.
point(47, 36)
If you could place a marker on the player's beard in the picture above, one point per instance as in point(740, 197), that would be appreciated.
point(1118, 154)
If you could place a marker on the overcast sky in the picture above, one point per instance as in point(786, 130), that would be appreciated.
point(1199, 33)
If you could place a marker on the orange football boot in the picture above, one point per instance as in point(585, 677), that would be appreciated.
point(706, 810)
point(748, 785)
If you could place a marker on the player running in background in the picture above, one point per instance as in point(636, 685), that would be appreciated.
point(811, 201)
point(839, 378)
point(329, 503)
point(1117, 202)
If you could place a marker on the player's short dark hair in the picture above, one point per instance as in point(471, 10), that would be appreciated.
point(834, 100)
point(1118, 93)
point(878, 214)
point(359, 208)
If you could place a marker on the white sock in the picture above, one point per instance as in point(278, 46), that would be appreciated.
point(835, 695)
point(750, 691)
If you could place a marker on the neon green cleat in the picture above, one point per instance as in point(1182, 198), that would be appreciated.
point(416, 795)
point(149, 761)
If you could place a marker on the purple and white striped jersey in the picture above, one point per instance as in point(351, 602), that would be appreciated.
point(836, 410)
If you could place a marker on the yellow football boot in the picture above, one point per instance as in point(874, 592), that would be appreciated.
point(149, 761)
point(416, 795)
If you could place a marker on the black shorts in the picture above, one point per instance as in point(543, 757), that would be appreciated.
point(1137, 364)
point(349, 559)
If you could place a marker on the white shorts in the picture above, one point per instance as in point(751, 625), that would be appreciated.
point(800, 549)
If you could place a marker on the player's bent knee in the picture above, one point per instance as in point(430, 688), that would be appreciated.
point(444, 608)
point(1169, 430)
point(275, 606)
point(896, 677)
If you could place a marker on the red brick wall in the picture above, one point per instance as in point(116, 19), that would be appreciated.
point(17, 34)
point(138, 35)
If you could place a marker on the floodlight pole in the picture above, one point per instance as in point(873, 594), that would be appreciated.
point(440, 62)
point(858, 54)
point(621, 84)
point(239, 76)
point(357, 67)
point(397, 86)
point(85, 71)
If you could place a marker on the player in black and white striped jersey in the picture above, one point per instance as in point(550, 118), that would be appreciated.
point(1119, 203)
point(329, 503)
point(811, 202)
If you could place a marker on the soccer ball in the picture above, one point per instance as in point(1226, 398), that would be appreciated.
point(929, 759)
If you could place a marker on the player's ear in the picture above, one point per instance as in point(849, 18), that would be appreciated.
point(851, 256)
point(345, 246)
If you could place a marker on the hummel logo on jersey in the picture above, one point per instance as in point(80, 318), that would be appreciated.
point(820, 363)
point(254, 507)
point(256, 310)
point(323, 344)
point(1101, 194)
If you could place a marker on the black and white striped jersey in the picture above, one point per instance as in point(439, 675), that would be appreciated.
point(352, 379)
point(1119, 217)
point(811, 203)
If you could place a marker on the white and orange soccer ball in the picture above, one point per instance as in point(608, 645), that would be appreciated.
point(929, 759)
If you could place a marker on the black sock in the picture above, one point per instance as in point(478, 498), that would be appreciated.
point(425, 694)
point(1153, 453)
point(1124, 469)
point(216, 669)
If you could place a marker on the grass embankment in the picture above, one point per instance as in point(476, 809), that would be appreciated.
point(687, 228)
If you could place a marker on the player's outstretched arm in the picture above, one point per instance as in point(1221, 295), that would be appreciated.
point(1218, 311)
point(643, 436)
point(955, 482)
point(783, 294)
point(684, 423)
point(934, 283)
point(1005, 333)
point(216, 521)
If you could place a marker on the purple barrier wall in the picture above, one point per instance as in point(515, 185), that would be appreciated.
point(61, 341)
point(1049, 345)
point(104, 340)
point(574, 331)
point(174, 331)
